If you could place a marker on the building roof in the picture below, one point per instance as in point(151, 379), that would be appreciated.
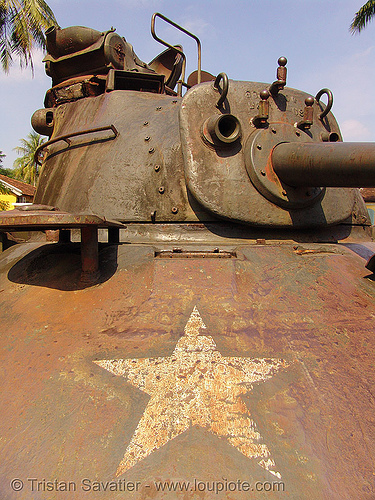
point(23, 187)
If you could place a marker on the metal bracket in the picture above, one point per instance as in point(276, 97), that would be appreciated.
point(42, 219)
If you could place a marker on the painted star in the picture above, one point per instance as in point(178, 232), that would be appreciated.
point(196, 385)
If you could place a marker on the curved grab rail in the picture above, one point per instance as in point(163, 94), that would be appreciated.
point(329, 103)
point(163, 42)
point(223, 96)
point(66, 138)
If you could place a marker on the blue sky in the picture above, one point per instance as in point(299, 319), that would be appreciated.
point(242, 38)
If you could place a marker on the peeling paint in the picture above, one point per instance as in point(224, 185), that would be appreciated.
point(195, 386)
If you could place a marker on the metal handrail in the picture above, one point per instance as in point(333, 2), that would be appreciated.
point(223, 96)
point(329, 103)
point(163, 42)
point(67, 137)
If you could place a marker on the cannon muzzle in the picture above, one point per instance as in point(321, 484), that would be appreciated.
point(336, 164)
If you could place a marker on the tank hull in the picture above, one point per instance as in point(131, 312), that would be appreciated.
point(201, 371)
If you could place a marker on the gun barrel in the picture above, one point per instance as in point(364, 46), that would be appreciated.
point(338, 164)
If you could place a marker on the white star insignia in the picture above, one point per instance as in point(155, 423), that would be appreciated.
point(198, 386)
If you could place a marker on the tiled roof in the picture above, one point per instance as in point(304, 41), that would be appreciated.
point(26, 189)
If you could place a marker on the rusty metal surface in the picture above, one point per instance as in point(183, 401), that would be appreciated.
point(328, 164)
point(184, 355)
point(41, 219)
point(78, 50)
point(91, 373)
point(74, 89)
point(67, 139)
point(119, 181)
point(368, 194)
point(262, 174)
point(164, 166)
point(216, 176)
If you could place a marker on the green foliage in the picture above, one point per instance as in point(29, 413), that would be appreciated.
point(5, 171)
point(9, 172)
point(363, 16)
point(25, 167)
point(22, 25)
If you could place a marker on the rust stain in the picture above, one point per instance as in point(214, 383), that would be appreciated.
point(195, 386)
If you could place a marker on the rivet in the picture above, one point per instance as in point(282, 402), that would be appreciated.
point(147, 138)
point(298, 133)
point(174, 102)
point(151, 150)
point(145, 123)
point(161, 189)
point(273, 131)
point(157, 168)
point(259, 147)
point(174, 210)
point(158, 108)
point(263, 172)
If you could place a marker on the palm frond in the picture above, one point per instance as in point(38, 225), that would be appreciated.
point(22, 26)
point(363, 16)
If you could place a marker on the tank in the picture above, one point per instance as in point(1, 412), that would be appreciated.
point(193, 314)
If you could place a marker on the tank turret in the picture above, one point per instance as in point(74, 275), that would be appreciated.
point(193, 315)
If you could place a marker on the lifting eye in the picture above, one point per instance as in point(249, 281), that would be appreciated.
point(222, 129)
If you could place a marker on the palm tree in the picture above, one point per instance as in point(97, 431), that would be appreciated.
point(25, 167)
point(22, 23)
point(363, 16)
